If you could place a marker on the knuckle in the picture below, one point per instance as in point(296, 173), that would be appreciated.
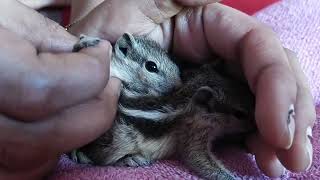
point(217, 15)
point(256, 38)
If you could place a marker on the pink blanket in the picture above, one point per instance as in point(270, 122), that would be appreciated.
point(298, 24)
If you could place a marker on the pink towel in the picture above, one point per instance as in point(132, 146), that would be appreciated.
point(297, 23)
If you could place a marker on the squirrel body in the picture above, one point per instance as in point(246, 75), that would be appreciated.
point(165, 111)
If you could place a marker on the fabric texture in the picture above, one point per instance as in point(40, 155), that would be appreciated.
point(297, 22)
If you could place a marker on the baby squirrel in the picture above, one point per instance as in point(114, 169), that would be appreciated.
point(164, 112)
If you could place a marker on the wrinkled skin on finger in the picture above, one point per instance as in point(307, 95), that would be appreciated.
point(195, 33)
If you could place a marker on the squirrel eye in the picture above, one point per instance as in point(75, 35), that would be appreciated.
point(151, 67)
point(123, 50)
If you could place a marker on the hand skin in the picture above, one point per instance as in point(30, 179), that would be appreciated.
point(45, 77)
point(38, 4)
point(193, 30)
point(52, 100)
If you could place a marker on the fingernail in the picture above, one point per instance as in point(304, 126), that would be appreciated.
point(309, 146)
point(291, 124)
point(309, 132)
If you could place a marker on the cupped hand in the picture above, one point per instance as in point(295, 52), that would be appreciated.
point(194, 30)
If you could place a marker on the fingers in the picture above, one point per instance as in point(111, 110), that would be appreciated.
point(45, 34)
point(82, 124)
point(34, 85)
point(215, 27)
point(278, 84)
point(299, 157)
point(189, 41)
point(142, 18)
point(68, 130)
point(274, 85)
point(265, 156)
point(238, 38)
point(76, 77)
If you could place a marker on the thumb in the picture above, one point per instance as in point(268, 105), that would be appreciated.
point(77, 77)
point(59, 81)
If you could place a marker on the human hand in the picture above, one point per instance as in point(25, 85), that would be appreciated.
point(196, 32)
point(29, 150)
point(51, 103)
point(43, 82)
point(45, 34)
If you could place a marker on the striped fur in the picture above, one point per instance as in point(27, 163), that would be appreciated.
point(158, 118)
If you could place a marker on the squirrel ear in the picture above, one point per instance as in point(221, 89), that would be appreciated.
point(125, 43)
point(129, 39)
point(203, 95)
point(201, 100)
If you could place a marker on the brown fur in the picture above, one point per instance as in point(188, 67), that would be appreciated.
point(208, 105)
